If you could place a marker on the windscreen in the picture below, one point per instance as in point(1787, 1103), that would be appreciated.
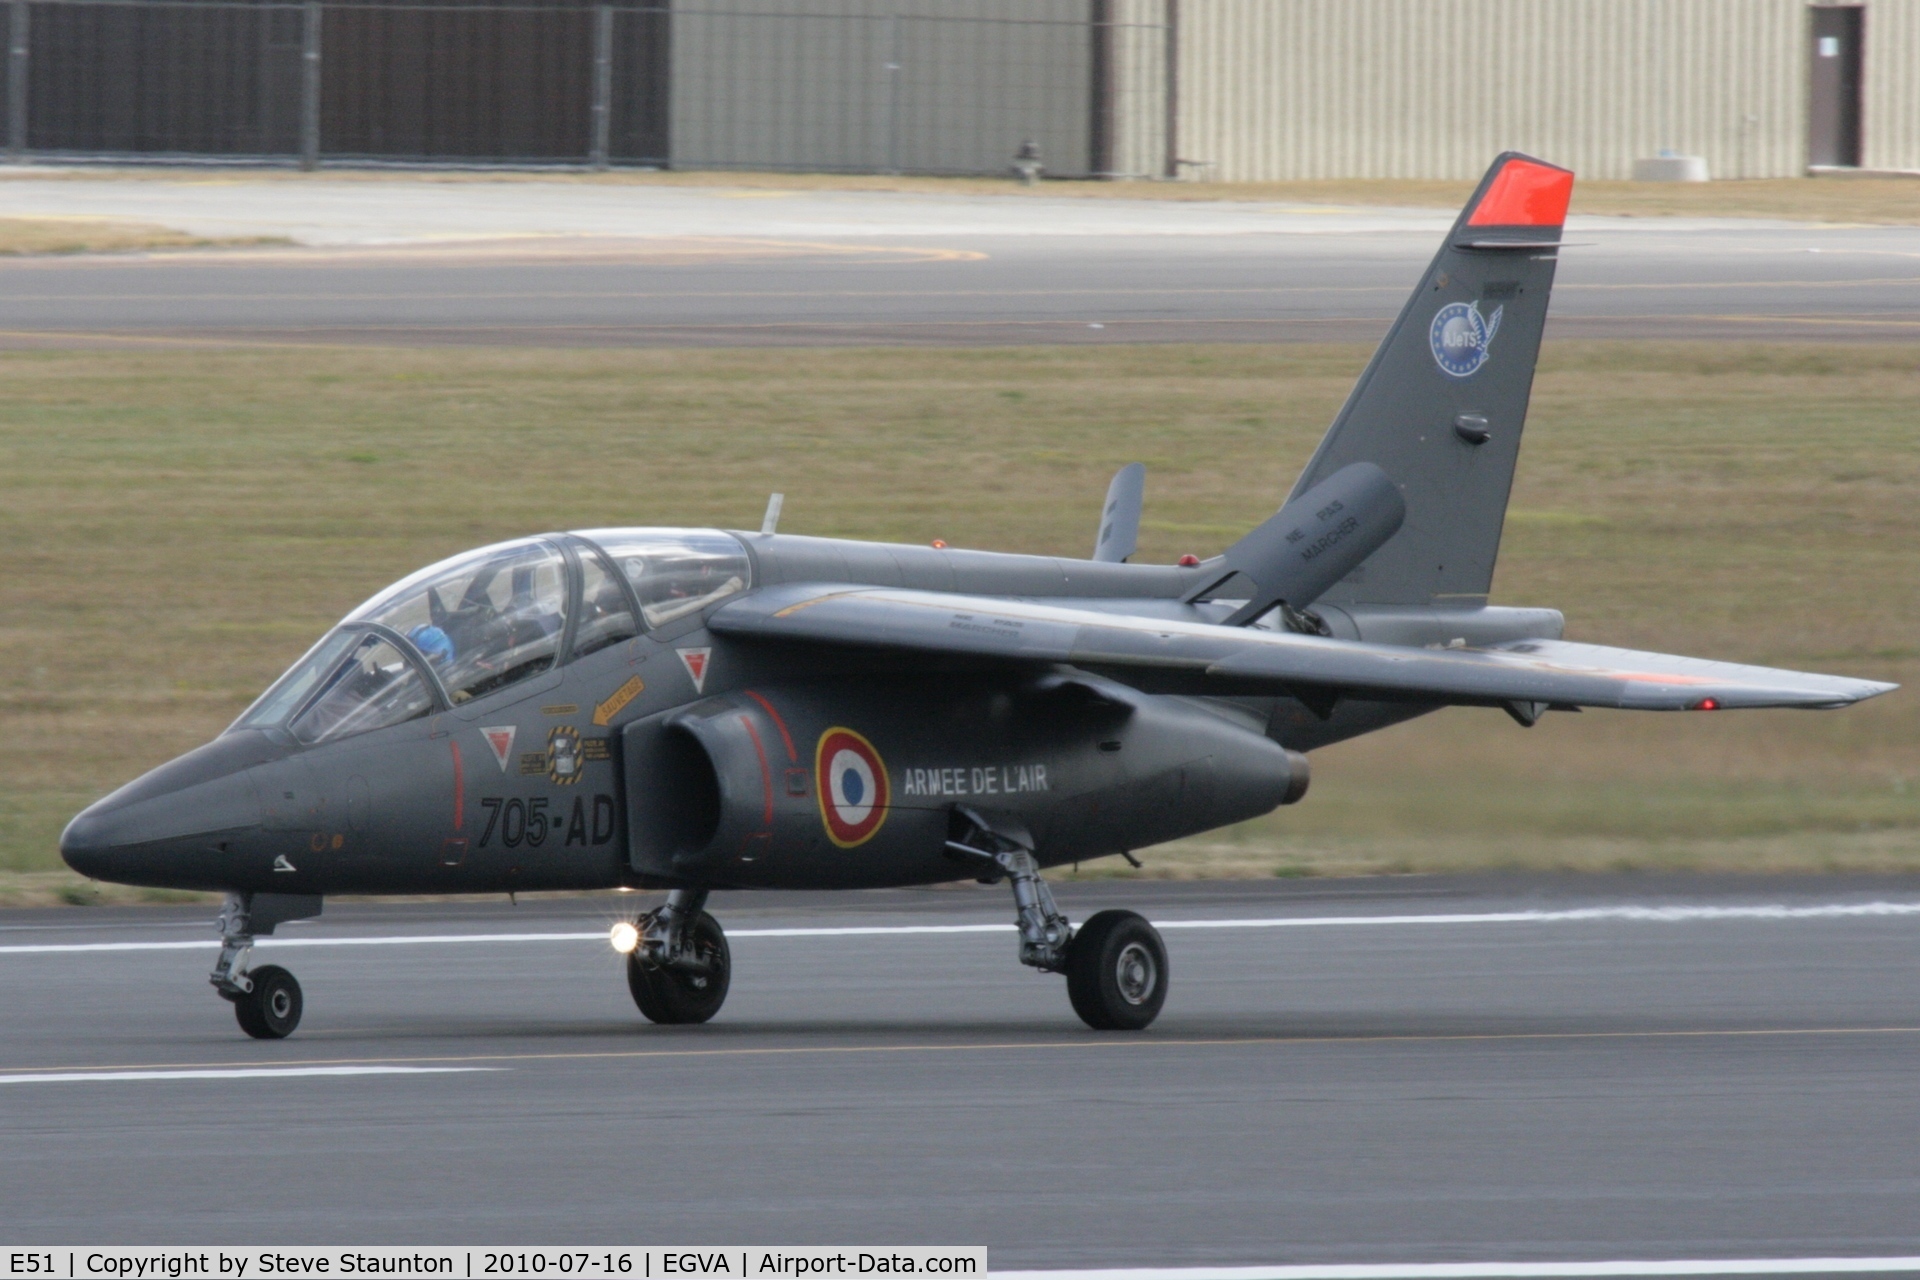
point(484, 620)
point(353, 681)
point(371, 687)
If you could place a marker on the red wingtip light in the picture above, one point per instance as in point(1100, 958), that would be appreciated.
point(1189, 560)
point(1707, 704)
point(1525, 194)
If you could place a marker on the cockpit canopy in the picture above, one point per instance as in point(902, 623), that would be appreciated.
point(485, 620)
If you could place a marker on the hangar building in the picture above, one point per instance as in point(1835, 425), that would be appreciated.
point(1235, 90)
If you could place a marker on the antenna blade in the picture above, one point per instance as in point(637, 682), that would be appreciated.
point(1119, 535)
point(771, 521)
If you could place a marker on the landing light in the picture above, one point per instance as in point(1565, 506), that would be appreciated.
point(624, 937)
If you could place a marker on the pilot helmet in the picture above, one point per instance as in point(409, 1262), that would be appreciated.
point(432, 641)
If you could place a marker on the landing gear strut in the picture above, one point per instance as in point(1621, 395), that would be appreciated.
point(266, 1001)
point(1116, 964)
point(678, 973)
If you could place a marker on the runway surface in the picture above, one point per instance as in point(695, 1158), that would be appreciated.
point(1403, 1070)
point(550, 264)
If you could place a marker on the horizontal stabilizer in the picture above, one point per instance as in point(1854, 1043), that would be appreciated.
point(1240, 660)
point(1313, 541)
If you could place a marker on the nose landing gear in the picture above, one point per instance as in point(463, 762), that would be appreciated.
point(267, 1001)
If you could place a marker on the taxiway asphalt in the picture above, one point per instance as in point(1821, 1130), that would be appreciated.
point(548, 264)
point(1407, 1070)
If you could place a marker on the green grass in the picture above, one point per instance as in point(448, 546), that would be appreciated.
point(179, 524)
point(34, 236)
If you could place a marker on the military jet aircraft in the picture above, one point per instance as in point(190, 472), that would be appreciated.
point(691, 709)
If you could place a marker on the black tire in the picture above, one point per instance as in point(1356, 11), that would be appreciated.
point(1117, 972)
point(272, 1009)
point(676, 997)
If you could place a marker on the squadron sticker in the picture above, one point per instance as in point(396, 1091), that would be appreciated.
point(695, 661)
point(566, 757)
point(1460, 337)
point(564, 762)
point(500, 738)
point(853, 787)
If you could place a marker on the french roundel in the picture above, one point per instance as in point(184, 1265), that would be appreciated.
point(852, 784)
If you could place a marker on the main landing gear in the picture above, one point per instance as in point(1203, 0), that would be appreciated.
point(266, 1001)
point(1115, 963)
point(679, 965)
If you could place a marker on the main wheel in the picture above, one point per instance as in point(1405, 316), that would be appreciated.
point(272, 1009)
point(1117, 972)
point(679, 996)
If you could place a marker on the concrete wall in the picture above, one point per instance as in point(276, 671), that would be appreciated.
point(940, 86)
point(1284, 89)
point(1137, 36)
point(1891, 128)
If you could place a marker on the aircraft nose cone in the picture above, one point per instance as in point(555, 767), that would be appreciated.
point(177, 827)
point(88, 842)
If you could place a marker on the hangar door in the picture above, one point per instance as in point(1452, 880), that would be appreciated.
point(1833, 102)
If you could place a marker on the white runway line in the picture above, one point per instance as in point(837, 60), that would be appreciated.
point(1655, 915)
point(233, 1073)
point(1446, 1270)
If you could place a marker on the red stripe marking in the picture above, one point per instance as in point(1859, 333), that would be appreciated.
point(1525, 194)
point(778, 723)
point(459, 786)
point(766, 774)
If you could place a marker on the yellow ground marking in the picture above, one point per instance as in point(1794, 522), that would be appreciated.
point(408, 295)
point(1703, 285)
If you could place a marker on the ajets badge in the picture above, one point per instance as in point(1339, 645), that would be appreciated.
point(500, 738)
point(565, 761)
point(1460, 337)
point(853, 787)
point(695, 661)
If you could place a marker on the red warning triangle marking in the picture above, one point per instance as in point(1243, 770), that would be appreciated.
point(695, 661)
point(500, 738)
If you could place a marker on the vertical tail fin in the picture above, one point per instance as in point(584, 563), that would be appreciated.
point(1119, 535)
point(1441, 405)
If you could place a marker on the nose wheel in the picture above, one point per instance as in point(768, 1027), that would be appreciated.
point(272, 1009)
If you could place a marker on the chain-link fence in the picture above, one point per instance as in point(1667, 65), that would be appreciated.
point(580, 84)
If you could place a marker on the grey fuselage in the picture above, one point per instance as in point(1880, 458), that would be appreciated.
point(681, 757)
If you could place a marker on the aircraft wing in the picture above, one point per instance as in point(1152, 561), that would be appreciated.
point(1239, 660)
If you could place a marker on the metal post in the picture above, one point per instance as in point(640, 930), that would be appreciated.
point(893, 95)
point(602, 84)
point(1100, 131)
point(1172, 42)
point(17, 72)
point(309, 86)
